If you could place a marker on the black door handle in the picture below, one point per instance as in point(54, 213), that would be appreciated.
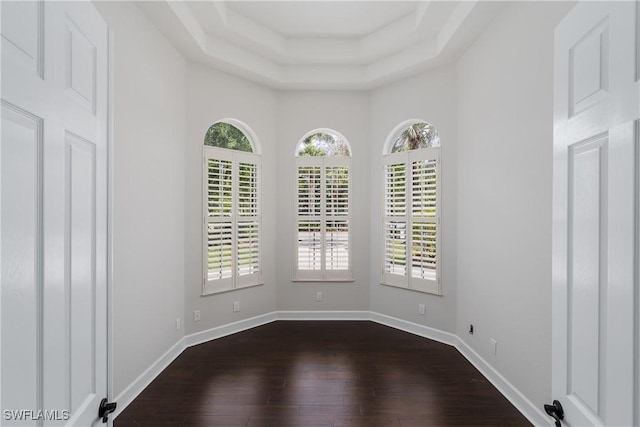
point(105, 409)
point(555, 410)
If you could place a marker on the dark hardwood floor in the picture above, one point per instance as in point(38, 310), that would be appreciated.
point(324, 373)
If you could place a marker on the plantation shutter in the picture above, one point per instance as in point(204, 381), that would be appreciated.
point(232, 220)
point(412, 220)
point(337, 214)
point(309, 218)
point(424, 220)
point(248, 219)
point(323, 247)
point(395, 220)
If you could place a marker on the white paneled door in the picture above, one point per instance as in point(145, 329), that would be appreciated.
point(53, 228)
point(595, 215)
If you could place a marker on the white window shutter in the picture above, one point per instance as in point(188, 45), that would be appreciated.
point(249, 219)
point(395, 220)
point(411, 230)
point(323, 218)
point(425, 233)
point(232, 242)
point(337, 218)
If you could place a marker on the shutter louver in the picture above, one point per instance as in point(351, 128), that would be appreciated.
point(309, 245)
point(395, 247)
point(337, 191)
point(337, 245)
point(219, 187)
point(423, 189)
point(309, 191)
point(395, 189)
point(248, 189)
point(248, 248)
point(423, 257)
point(219, 250)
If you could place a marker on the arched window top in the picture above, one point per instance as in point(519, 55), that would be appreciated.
point(412, 135)
point(323, 142)
point(233, 135)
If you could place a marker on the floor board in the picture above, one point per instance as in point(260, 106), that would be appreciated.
point(321, 373)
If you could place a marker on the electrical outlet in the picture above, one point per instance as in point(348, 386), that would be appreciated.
point(236, 306)
point(422, 309)
point(318, 296)
point(471, 329)
point(177, 324)
point(196, 316)
point(494, 346)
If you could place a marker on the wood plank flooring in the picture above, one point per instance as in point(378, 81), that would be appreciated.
point(321, 373)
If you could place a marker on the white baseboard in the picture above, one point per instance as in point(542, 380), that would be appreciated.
point(524, 405)
point(229, 328)
point(517, 399)
point(324, 315)
point(414, 328)
point(135, 388)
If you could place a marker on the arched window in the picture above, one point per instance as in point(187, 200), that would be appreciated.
point(323, 211)
point(228, 134)
point(414, 135)
point(411, 230)
point(232, 208)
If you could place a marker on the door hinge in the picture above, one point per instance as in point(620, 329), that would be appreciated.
point(105, 409)
point(555, 411)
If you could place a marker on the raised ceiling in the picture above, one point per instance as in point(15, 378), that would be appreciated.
point(319, 44)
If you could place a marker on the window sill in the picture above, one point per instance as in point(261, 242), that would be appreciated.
point(224, 291)
point(322, 280)
point(437, 294)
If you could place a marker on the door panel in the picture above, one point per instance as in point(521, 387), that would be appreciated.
point(586, 281)
point(80, 248)
point(81, 65)
point(21, 254)
point(589, 68)
point(22, 34)
point(595, 220)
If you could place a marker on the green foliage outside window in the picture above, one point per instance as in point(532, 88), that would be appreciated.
point(418, 135)
point(225, 135)
point(323, 144)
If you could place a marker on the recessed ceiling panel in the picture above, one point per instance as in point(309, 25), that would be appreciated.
point(306, 19)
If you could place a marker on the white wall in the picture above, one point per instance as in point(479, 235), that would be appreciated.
point(348, 113)
point(212, 96)
point(505, 113)
point(430, 96)
point(148, 213)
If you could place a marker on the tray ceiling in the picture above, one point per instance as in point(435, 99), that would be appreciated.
point(319, 44)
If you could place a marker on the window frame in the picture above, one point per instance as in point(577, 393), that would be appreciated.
point(408, 158)
point(323, 162)
point(236, 281)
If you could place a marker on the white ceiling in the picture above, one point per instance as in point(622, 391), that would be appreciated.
point(324, 19)
point(321, 44)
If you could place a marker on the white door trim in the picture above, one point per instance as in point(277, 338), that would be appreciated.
point(110, 189)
